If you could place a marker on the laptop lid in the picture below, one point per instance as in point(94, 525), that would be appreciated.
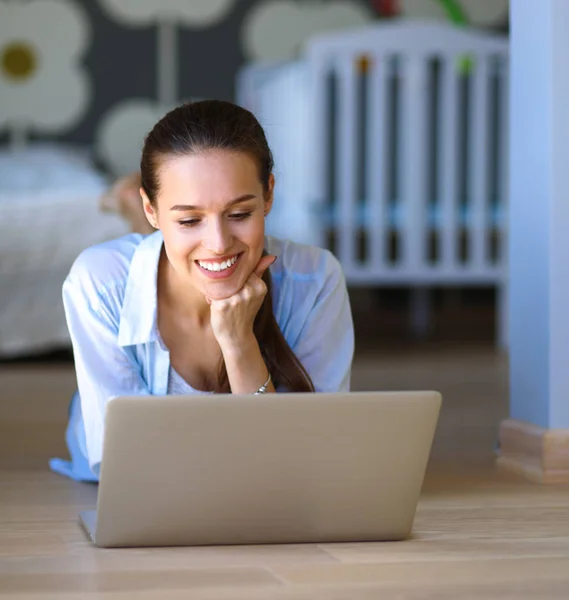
point(276, 468)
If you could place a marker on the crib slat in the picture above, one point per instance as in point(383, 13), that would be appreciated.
point(346, 161)
point(318, 139)
point(478, 175)
point(503, 156)
point(447, 163)
point(376, 175)
point(245, 90)
point(412, 165)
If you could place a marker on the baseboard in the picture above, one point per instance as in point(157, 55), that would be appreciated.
point(540, 455)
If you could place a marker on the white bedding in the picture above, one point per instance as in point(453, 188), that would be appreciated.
point(49, 212)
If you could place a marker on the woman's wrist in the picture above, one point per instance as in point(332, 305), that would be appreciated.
point(246, 368)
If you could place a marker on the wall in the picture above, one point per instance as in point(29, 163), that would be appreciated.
point(102, 71)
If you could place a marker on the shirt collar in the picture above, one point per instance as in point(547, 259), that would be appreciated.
point(138, 323)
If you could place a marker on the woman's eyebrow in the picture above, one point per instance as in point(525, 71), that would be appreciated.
point(243, 198)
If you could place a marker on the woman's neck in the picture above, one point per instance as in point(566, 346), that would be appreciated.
point(179, 297)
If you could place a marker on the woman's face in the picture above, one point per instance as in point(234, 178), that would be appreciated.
point(211, 210)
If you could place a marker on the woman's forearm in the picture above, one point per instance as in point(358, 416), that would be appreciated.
point(246, 369)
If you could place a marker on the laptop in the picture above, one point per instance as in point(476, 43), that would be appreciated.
point(271, 469)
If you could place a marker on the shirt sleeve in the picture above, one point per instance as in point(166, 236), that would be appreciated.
point(104, 369)
point(325, 345)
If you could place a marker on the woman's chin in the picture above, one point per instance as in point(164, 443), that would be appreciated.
point(220, 291)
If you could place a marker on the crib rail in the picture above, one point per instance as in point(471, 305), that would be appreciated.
point(408, 139)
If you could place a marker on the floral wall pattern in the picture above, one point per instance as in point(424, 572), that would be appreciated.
point(100, 72)
point(43, 85)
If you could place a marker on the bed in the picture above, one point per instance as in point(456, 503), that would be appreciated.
point(49, 212)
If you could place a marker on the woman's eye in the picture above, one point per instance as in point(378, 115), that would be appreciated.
point(233, 216)
point(240, 216)
point(189, 222)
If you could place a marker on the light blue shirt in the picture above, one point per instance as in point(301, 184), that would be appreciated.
point(110, 300)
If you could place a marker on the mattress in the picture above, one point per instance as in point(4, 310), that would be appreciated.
point(49, 212)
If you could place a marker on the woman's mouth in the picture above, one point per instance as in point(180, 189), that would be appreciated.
point(219, 268)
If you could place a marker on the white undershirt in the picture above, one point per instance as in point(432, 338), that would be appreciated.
point(178, 386)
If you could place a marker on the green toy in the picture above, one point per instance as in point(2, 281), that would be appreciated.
point(456, 14)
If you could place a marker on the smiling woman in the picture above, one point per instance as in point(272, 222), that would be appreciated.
point(208, 303)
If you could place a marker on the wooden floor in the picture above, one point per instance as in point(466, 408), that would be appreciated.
point(479, 532)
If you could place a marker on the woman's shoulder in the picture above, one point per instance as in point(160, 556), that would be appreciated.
point(308, 283)
point(104, 266)
point(302, 262)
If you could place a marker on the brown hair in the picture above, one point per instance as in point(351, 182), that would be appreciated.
point(215, 124)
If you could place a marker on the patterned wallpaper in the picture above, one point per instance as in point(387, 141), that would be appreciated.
point(101, 72)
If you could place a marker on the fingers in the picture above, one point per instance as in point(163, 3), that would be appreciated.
point(264, 264)
point(254, 286)
point(251, 292)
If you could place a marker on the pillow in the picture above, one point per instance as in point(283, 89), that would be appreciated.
point(41, 167)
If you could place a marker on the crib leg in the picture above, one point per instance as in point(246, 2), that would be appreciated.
point(502, 316)
point(420, 312)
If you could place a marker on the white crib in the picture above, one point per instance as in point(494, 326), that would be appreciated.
point(390, 145)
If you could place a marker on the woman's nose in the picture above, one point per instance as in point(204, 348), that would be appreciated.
point(218, 238)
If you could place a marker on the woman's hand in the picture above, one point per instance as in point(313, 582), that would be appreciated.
point(232, 318)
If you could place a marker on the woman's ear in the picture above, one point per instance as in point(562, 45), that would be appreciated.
point(149, 210)
point(270, 195)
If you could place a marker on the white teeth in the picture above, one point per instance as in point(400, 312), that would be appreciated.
point(215, 266)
